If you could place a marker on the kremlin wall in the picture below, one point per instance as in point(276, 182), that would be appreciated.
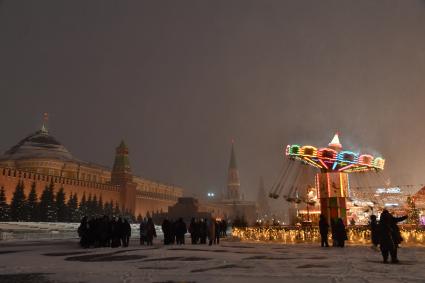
point(41, 159)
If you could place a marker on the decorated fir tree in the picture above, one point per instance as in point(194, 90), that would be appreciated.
point(413, 215)
point(4, 207)
point(32, 205)
point(18, 206)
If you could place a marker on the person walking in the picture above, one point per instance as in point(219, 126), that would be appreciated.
point(192, 231)
point(143, 231)
point(323, 229)
point(203, 231)
point(150, 232)
point(211, 230)
point(83, 233)
point(181, 230)
point(340, 233)
point(217, 232)
point(374, 232)
point(126, 233)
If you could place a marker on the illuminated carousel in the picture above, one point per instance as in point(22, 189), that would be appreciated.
point(329, 167)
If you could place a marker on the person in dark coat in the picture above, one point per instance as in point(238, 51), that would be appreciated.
point(203, 230)
point(83, 233)
point(181, 230)
point(126, 233)
point(389, 236)
point(192, 230)
point(340, 233)
point(211, 230)
point(166, 231)
point(143, 231)
point(116, 233)
point(217, 232)
point(223, 227)
point(323, 228)
point(333, 232)
point(374, 231)
point(150, 232)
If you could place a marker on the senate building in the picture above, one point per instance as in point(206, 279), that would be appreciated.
point(41, 159)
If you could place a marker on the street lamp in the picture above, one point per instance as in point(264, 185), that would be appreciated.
point(211, 195)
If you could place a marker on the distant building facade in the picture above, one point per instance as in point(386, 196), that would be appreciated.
point(41, 159)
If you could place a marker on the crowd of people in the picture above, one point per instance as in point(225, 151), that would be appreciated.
point(116, 232)
point(104, 232)
point(200, 231)
point(385, 234)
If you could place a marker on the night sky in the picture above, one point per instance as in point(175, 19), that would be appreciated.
point(178, 80)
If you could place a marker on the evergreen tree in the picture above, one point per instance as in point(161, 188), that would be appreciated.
point(139, 218)
point(94, 207)
point(73, 211)
point(117, 210)
point(47, 207)
point(18, 206)
point(109, 209)
point(100, 206)
point(4, 207)
point(90, 206)
point(60, 205)
point(32, 205)
point(83, 206)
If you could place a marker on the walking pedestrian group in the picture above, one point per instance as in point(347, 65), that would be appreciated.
point(385, 234)
point(104, 232)
point(116, 232)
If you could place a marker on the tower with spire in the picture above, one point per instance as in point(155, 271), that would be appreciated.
point(233, 182)
point(121, 171)
point(122, 176)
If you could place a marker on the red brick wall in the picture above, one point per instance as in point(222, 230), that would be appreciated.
point(10, 178)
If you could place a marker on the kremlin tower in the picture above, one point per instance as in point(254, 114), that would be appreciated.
point(121, 176)
point(233, 182)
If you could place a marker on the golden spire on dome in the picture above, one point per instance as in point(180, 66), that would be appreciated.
point(44, 128)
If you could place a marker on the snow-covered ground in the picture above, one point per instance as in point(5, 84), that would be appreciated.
point(231, 261)
point(46, 230)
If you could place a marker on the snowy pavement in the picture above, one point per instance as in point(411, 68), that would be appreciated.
point(231, 261)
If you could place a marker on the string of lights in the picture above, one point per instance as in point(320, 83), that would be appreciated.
point(412, 235)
